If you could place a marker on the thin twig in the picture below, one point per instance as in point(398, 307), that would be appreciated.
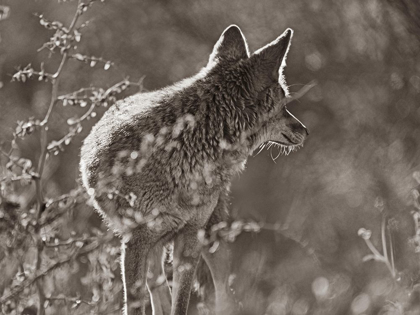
point(70, 300)
point(373, 249)
point(69, 242)
point(391, 250)
point(383, 237)
point(85, 115)
point(41, 163)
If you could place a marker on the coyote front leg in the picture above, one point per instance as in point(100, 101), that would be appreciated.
point(134, 268)
point(160, 293)
point(219, 263)
point(134, 275)
point(187, 249)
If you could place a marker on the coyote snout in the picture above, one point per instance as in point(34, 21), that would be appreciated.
point(283, 129)
point(288, 131)
point(159, 165)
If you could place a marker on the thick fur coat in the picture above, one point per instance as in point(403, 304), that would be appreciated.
point(159, 164)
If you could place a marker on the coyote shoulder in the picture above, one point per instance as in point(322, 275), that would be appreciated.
point(158, 165)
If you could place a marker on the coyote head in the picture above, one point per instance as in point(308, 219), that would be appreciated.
point(257, 84)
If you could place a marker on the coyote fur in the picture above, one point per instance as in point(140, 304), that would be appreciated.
point(158, 165)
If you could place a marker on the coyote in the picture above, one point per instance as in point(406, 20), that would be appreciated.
point(158, 165)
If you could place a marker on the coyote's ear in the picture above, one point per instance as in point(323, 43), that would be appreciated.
point(269, 60)
point(230, 46)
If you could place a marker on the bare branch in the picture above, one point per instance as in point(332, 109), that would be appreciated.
point(83, 251)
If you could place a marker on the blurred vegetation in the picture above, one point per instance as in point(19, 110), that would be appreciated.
point(340, 231)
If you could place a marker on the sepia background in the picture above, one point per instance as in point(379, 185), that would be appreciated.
point(323, 209)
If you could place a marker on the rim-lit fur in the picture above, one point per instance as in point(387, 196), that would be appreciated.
point(158, 165)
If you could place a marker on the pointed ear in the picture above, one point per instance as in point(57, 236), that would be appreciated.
point(270, 60)
point(230, 46)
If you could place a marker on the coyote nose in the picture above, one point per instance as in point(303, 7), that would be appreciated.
point(307, 131)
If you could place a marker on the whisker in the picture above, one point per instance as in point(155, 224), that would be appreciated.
point(261, 148)
point(271, 155)
point(277, 155)
point(297, 84)
point(286, 150)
